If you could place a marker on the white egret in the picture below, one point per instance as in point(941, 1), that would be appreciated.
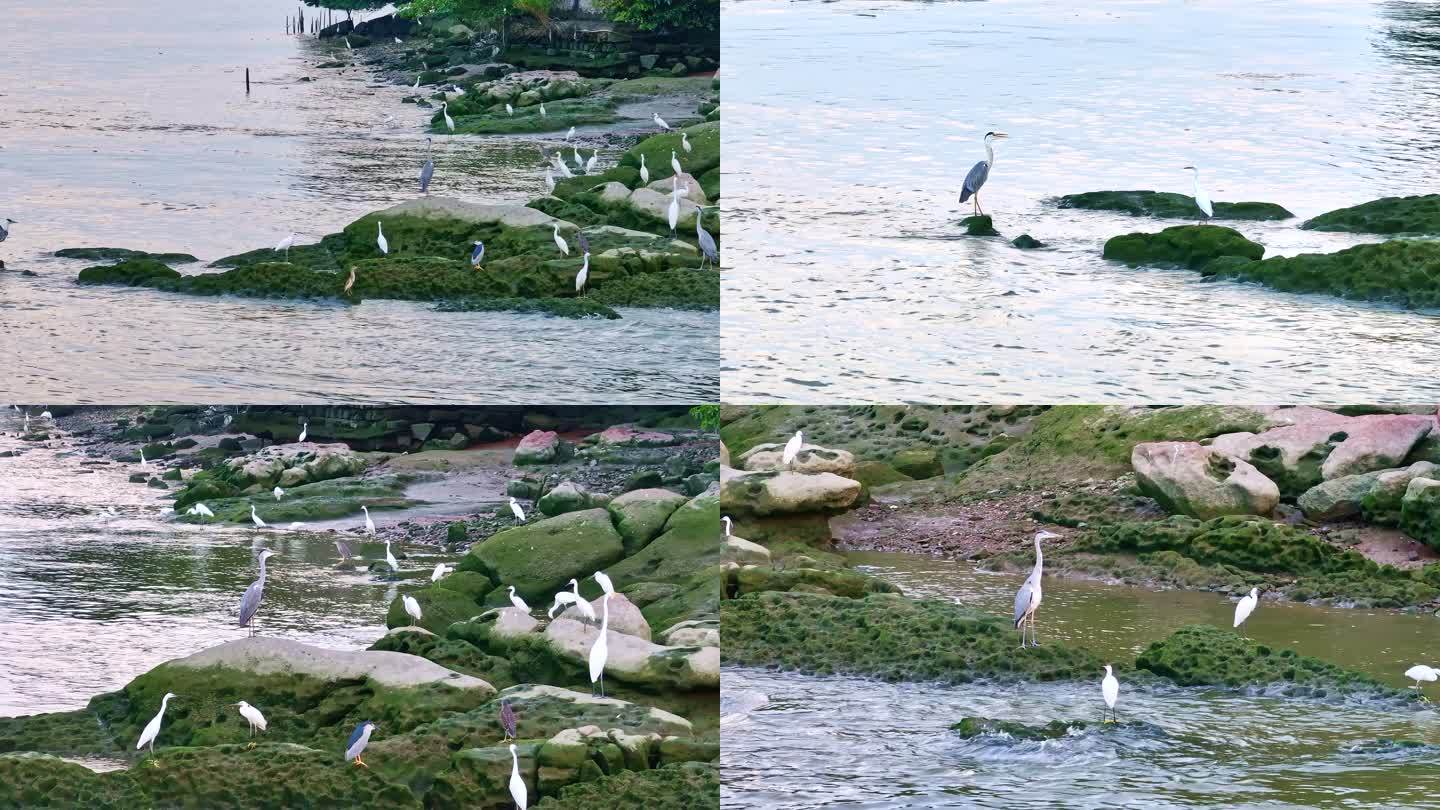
point(675, 163)
point(417, 81)
point(144, 465)
point(561, 598)
point(570, 134)
point(1027, 599)
point(359, 738)
point(517, 601)
point(644, 171)
point(560, 165)
point(380, 240)
point(304, 431)
point(202, 509)
point(1246, 606)
point(445, 111)
point(253, 716)
point(517, 511)
point(152, 729)
point(792, 448)
point(1110, 690)
point(1202, 200)
point(1419, 673)
point(412, 607)
point(582, 275)
point(508, 109)
point(579, 161)
point(543, 114)
point(398, 41)
point(659, 122)
point(685, 142)
point(347, 44)
point(250, 602)
point(580, 604)
point(604, 581)
point(517, 785)
point(390, 558)
point(549, 180)
point(601, 649)
point(369, 524)
point(278, 493)
point(285, 245)
point(593, 161)
point(980, 172)
point(254, 518)
point(726, 520)
point(441, 569)
point(46, 415)
point(560, 241)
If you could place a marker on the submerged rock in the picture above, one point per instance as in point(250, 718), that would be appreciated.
point(1192, 246)
point(1027, 242)
point(979, 225)
point(1401, 271)
point(1388, 215)
point(971, 727)
point(121, 254)
point(1169, 205)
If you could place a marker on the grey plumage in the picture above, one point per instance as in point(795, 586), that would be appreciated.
point(507, 719)
point(5, 229)
point(359, 738)
point(709, 250)
point(250, 602)
point(979, 173)
point(428, 170)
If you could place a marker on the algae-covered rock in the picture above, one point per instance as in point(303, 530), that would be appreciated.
point(918, 462)
point(538, 558)
point(1192, 246)
point(704, 155)
point(779, 493)
point(1382, 502)
point(1401, 271)
point(269, 775)
point(759, 578)
point(685, 786)
point(1201, 655)
point(971, 727)
point(1027, 242)
point(1420, 511)
point(39, 780)
point(133, 272)
point(640, 515)
point(891, 638)
point(979, 225)
point(439, 608)
point(681, 555)
point(636, 661)
point(567, 496)
point(1190, 479)
point(1339, 497)
point(121, 254)
point(809, 459)
point(1388, 215)
point(1169, 205)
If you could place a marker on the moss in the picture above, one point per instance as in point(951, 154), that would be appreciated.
point(439, 608)
point(1201, 655)
point(1420, 512)
point(877, 473)
point(758, 579)
point(269, 775)
point(979, 225)
point(687, 786)
point(628, 176)
point(888, 637)
point(1389, 215)
point(76, 732)
point(703, 157)
point(1192, 246)
point(1169, 205)
point(671, 289)
point(132, 272)
point(322, 500)
point(1400, 271)
point(971, 727)
point(538, 558)
point(121, 254)
point(37, 780)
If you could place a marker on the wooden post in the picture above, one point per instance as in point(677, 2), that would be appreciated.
point(247, 81)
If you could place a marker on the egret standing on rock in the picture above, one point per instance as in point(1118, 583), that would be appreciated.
point(685, 142)
point(549, 180)
point(304, 431)
point(1027, 599)
point(152, 729)
point(792, 448)
point(1419, 673)
point(570, 134)
point(250, 602)
point(1246, 606)
point(675, 164)
point(508, 109)
point(253, 716)
point(202, 509)
point(1110, 690)
point(580, 604)
point(582, 275)
point(427, 169)
point(593, 161)
point(543, 114)
point(390, 558)
point(725, 519)
point(254, 518)
point(980, 172)
point(358, 740)
point(601, 650)
point(412, 607)
point(560, 241)
point(1202, 200)
point(517, 601)
point(507, 719)
point(517, 511)
point(285, 245)
point(380, 240)
point(672, 214)
point(517, 785)
point(441, 569)
point(278, 493)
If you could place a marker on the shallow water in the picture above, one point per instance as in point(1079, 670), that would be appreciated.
point(98, 584)
point(858, 120)
point(143, 137)
point(797, 741)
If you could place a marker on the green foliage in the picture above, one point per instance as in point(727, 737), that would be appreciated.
point(669, 15)
point(708, 416)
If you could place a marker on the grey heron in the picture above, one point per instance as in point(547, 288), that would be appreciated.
point(304, 431)
point(708, 249)
point(644, 171)
point(359, 738)
point(427, 170)
point(1419, 673)
point(1110, 690)
point(379, 240)
point(343, 549)
point(285, 245)
point(152, 728)
point(250, 602)
point(580, 604)
point(1202, 200)
point(581, 276)
point(507, 719)
point(660, 122)
point(517, 601)
point(604, 582)
point(601, 649)
point(1246, 606)
point(254, 518)
point(1027, 599)
point(517, 511)
point(560, 241)
point(445, 111)
point(477, 255)
point(685, 142)
point(792, 448)
point(5, 228)
point(517, 785)
point(253, 716)
point(412, 607)
point(980, 172)
point(675, 163)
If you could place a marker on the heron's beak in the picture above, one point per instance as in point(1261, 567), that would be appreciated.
point(1001, 135)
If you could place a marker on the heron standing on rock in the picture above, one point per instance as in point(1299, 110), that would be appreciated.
point(792, 449)
point(507, 719)
point(152, 729)
point(1027, 600)
point(709, 251)
point(359, 738)
point(980, 172)
point(1419, 673)
point(1202, 200)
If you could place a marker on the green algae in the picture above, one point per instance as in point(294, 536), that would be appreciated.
point(687, 786)
point(1401, 271)
point(1192, 246)
point(1389, 215)
point(1169, 205)
point(554, 307)
point(38, 780)
point(122, 254)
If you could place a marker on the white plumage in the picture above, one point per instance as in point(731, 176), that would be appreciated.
point(583, 274)
point(517, 601)
point(517, 785)
point(441, 569)
point(390, 558)
point(675, 163)
point(580, 604)
point(380, 239)
point(792, 448)
point(644, 171)
point(253, 715)
point(685, 142)
point(1202, 200)
point(1420, 672)
point(1246, 606)
point(412, 607)
point(278, 493)
point(659, 122)
point(601, 649)
point(517, 511)
point(605, 584)
point(369, 524)
point(560, 241)
point(304, 431)
point(1110, 688)
point(254, 518)
point(152, 729)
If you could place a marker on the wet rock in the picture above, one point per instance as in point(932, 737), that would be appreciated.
point(1382, 502)
point(979, 225)
point(1169, 205)
point(692, 634)
point(778, 493)
point(542, 447)
point(1189, 479)
point(624, 616)
point(637, 661)
point(439, 608)
point(539, 558)
point(1388, 215)
point(1192, 246)
point(972, 727)
point(320, 462)
point(1405, 272)
point(1376, 442)
point(121, 254)
point(1292, 456)
point(631, 436)
point(810, 459)
point(1339, 497)
point(640, 515)
point(1420, 511)
point(567, 496)
point(918, 463)
point(740, 550)
point(838, 582)
point(1026, 242)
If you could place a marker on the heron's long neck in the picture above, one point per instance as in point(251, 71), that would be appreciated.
point(165, 701)
point(262, 569)
point(1039, 557)
point(604, 615)
point(989, 152)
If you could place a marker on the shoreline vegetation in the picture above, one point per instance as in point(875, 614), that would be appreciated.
point(535, 74)
point(630, 490)
point(1329, 506)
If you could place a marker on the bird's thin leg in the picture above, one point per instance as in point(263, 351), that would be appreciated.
point(1034, 633)
point(361, 763)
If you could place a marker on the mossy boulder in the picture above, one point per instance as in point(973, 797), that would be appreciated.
point(685, 786)
point(1192, 246)
point(39, 780)
point(143, 272)
point(640, 515)
point(979, 225)
point(539, 558)
point(322, 500)
point(877, 473)
point(704, 155)
point(689, 543)
point(837, 582)
point(1401, 271)
point(1382, 502)
point(918, 462)
point(1202, 655)
point(1169, 205)
point(889, 637)
point(122, 254)
point(439, 608)
point(1420, 511)
point(269, 775)
point(1388, 215)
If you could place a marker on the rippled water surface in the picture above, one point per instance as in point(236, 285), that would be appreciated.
point(98, 585)
point(850, 126)
point(141, 136)
point(797, 741)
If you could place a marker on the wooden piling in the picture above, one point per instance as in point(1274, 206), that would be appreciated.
point(247, 81)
